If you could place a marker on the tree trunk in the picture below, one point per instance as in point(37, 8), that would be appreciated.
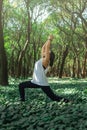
point(12, 65)
point(74, 68)
point(34, 47)
point(78, 69)
point(65, 53)
point(22, 53)
point(58, 64)
point(3, 58)
point(85, 60)
point(84, 66)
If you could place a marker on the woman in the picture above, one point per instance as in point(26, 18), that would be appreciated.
point(39, 79)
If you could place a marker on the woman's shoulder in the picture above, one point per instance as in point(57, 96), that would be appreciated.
point(39, 61)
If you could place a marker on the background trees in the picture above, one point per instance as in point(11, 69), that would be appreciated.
point(26, 26)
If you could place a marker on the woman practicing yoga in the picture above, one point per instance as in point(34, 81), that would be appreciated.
point(39, 79)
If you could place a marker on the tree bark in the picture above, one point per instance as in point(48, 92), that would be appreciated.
point(3, 58)
point(22, 53)
point(85, 60)
point(78, 69)
point(74, 68)
point(65, 53)
point(84, 66)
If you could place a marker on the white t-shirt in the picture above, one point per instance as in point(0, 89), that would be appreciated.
point(39, 74)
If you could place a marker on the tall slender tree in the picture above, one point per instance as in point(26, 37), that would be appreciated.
point(22, 53)
point(3, 58)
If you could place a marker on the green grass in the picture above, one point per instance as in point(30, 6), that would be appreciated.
point(39, 112)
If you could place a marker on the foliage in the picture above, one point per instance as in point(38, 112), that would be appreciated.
point(66, 20)
point(40, 113)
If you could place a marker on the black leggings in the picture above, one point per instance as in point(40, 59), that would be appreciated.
point(46, 89)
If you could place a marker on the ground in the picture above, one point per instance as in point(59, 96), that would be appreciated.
point(39, 112)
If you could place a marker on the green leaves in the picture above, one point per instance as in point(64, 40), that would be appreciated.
point(37, 114)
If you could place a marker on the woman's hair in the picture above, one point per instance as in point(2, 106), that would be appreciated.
point(52, 57)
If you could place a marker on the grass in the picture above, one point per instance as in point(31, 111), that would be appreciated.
point(39, 112)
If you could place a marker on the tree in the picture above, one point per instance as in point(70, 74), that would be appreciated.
point(3, 58)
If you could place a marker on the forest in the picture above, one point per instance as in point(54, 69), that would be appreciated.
point(24, 27)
